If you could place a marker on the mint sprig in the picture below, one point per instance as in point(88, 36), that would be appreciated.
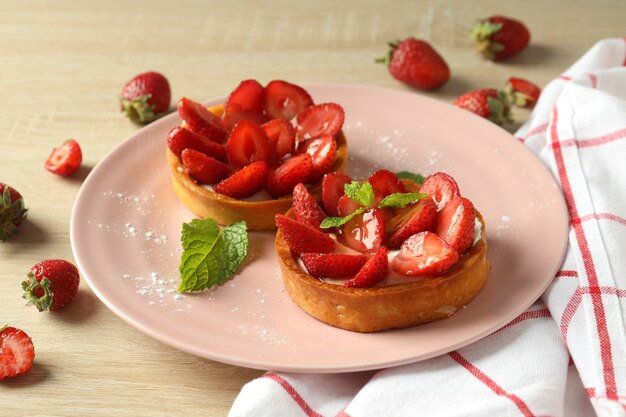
point(211, 255)
point(361, 192)
point(400, 200)
point(407, 175)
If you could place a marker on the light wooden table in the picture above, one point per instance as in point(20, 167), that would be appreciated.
point(62, 65)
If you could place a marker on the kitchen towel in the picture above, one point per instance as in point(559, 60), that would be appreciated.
point(565, 355)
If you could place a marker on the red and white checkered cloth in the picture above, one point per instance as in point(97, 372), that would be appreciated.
point(566, 355)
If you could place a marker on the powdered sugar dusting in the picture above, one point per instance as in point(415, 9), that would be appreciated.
point(159, 290)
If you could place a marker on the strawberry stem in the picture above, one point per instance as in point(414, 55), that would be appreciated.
point(43, 302)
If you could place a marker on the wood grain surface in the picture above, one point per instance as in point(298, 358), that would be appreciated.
point(62, 65)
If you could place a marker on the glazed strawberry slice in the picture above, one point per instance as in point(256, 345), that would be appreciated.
point(306, 208)
point(418, 217)
point(200, 120)
point(424, 253)
point(16, 352)
point(332, 265)
point(455, 224)
point(441, 187)
point(385, 183)
point(374, 271)
point(283, 100)
point(248, 143)
point(302, 238)
point(181, 138)
point(332, 189)
point(318, 120)
point(66, 159)
point(322, 151)
point(245, 182)
point(365, 232)
point(281, 135)
point(235, 113)
point(284, 178)
point(203, 168)
point(347, 206)
point(248, 95)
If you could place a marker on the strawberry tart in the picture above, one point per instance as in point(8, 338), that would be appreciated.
point(241, 160)
point(383, 253)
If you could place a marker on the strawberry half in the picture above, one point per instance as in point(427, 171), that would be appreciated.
point(16, 352)
point(455, 224)
point(374, 271)
point(306, 208)
point(302, 238)
point(385, 183)
point(322, 150)
point(413, 219)
point(235, 113)
point(283, 100)
point(66, 159)
point(424, 253)
point(365, 232)
point(245, 182)
point(51, 284)
point(346, 206)
point(282, 136)
point(521, 92)
point(248, 143)
point(441, 187)
point(318, 120)
point(248, 95)
point(332, 189)
point(332, 265)
point(203, 168)
point(12, 211)
point(200, 120)
point(284, 178)
point(180, 138)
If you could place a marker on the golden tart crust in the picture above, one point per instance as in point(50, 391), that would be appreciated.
point(387, 307)
point(259, 215)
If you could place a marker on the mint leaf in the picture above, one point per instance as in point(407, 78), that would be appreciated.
point(340, 221)
point(210, 255)
point(407, 175)
point(400, 200)
point(361, 192)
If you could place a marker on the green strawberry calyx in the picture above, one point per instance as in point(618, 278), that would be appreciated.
point(32, 287)
point(139, 110)
point(481, 34)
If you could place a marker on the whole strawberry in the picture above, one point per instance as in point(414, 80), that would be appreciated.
point(16, 352)
point(12, 211)
point(416, 63)
point(488, 103)
point(51, 284)
point(145, 97)
point(521, 92)
point(499, 37)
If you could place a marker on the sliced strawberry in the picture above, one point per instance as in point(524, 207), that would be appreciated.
point(200, 120)
point(306, 208)
point(281, 135)
point(455, 224)
point(424, 253)
point(374, 271)
point(365, 232)
point(235, 113)
point(66, 159)
point(247, 143)
point(322, 150)
point(248, 95)
point(318, 120)
point(283, 100)
point(441, 187)
point(385, 183)
point(332, 265)
point(203, 168)
point(521, 92)
point(181, 138)
point(292, 171)
point(418, 217)
point(346, 206)
point(16, 352)
point(245, 182)
point(302, 238)
point(332, 189)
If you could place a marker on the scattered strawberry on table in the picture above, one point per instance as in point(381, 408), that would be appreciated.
point(66, 159)
point(51, 284)
point(521, 92)
point(145, 97)
point(12, 211)
point(488, 103)
point(499, 37)
point(16, 352)
point(416, 63)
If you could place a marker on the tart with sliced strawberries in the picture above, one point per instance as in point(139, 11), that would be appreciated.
point(383, 253)
point(241, 160)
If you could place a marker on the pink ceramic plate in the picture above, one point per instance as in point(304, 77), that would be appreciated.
point(126, 222)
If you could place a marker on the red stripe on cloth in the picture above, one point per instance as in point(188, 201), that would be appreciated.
point(569, 311)
point(600, 216)
point(564, 77)
point(603, 290)
point(490, 383)
point(526, 315)
point(585, 143)
point(342, 413)
point(566, 273)
point(294, 394)
point(606, 354)
point(594, 80)
point(534, 131)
